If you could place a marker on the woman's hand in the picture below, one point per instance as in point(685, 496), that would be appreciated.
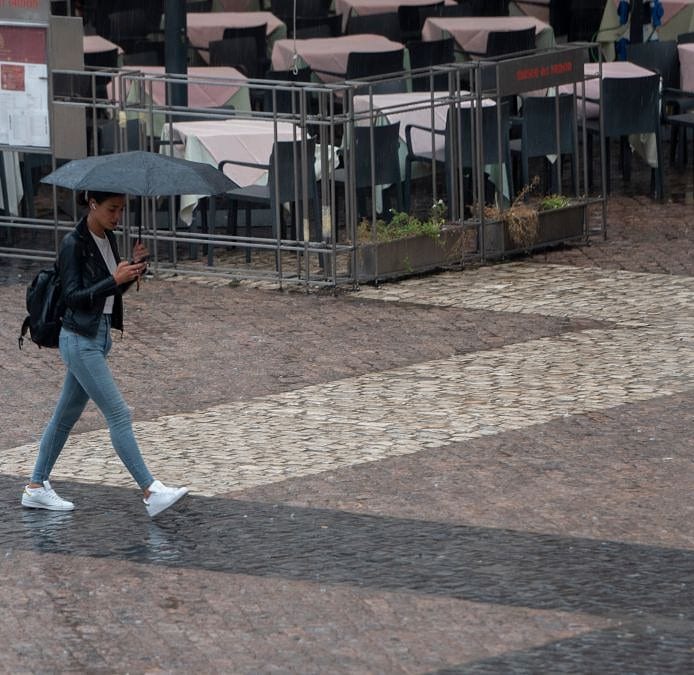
point(127, 272)
point(140, 252)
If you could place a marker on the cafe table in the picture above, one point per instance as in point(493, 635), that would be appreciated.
point(208, 87)
point(686, 56)
point(415, 108)
point(206, 27)
point(537, 8)
point(327, 54)
point(471, 33)
point(589, 89)
point(95, 44)
point(363, 7)
point(214, 141)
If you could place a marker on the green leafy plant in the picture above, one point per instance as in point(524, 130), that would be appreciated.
point(553, 202)
point(403, 225)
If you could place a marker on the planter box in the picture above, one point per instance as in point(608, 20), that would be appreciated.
point(404, 257)
point(555, 226)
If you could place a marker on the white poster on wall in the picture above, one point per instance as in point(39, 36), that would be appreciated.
point(24, 117)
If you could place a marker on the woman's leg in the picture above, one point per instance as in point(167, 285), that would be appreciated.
point(87, 362)
point(70, 405)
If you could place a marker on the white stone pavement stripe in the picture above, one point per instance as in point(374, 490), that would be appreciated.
point(553, 290)
point(430, 404)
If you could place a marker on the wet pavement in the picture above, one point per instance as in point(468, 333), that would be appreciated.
point(486, 471)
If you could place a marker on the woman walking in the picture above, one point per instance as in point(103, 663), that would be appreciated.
point(93, 280)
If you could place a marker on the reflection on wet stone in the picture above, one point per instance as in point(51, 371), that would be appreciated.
point(473, 563)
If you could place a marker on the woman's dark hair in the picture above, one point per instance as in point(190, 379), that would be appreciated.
point(84, 197)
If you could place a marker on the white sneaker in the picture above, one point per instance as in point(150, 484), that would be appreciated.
point(161, 497)
point(45, 498)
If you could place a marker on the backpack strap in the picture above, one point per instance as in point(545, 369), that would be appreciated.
point(23, 332)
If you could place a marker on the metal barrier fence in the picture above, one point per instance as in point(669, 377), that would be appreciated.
point(317, 201)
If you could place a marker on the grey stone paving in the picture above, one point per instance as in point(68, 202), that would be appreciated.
point(496, 477)
point(431, 404)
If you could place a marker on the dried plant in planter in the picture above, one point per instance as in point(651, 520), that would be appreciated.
point(520, 220)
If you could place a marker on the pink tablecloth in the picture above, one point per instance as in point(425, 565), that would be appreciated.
point(618, 69)
point(201, 94)
point(93, 44)
point(537, 8)
point(411, 108)
point(328, 53)
point(244, 140)
point(470, 33)
point(362, 7)
point(205, 27)
point(686, 54)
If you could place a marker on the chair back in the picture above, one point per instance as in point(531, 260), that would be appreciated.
point(198, 6)
point(240, 53)
point(631, 105)
point(685, 38)
point(386, 24)
point(108, 59)
point(424, 54)
point(257, 33)
point(129, 27)
point(412, 18)
point(386, 141)
point(463, 8)
point(586, 16)
point(469, 138)
point(539, 123)
point(660, 57)
point(319, 26)
point(286, 100)
point(305, 9)
point(370, 64)
point(510, 41)
point(110, 141)
point(287, 173)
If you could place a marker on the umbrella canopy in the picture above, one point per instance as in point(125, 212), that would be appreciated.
point(145, 174)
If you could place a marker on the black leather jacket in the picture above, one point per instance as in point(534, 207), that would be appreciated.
point(86, 282)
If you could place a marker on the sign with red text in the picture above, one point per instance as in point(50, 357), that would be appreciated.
point(539, 71)
point(25, 10)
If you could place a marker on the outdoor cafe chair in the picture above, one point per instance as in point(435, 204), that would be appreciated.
point(661, 57)
point(285, 184)
point(463, 152)
point(412, 18)
point(538, 138)
point(629, 106)
point(428, 53)
point(386, 24)
point(386, 165)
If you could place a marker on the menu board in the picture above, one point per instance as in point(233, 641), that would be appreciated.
point(24, 118)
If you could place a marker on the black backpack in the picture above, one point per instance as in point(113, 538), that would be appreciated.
point(45, 306)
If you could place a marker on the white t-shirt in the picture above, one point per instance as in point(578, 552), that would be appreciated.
point(110, 260)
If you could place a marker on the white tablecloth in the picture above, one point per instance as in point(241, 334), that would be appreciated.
point(471, 33)
point(212, 142)
point(329, 54)
point(13, 176)
point(206, 27)
point(361, 7)
point(643, 144)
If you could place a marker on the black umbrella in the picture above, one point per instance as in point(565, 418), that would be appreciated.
point(144, 174)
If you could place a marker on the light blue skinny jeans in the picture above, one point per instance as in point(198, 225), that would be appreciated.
point(88, 376)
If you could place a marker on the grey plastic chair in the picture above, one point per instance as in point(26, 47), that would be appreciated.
point(284, 185)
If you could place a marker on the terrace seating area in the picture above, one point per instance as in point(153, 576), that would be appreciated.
point(313, 74)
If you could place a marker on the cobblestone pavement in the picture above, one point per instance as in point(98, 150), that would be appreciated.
point(486, 471)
